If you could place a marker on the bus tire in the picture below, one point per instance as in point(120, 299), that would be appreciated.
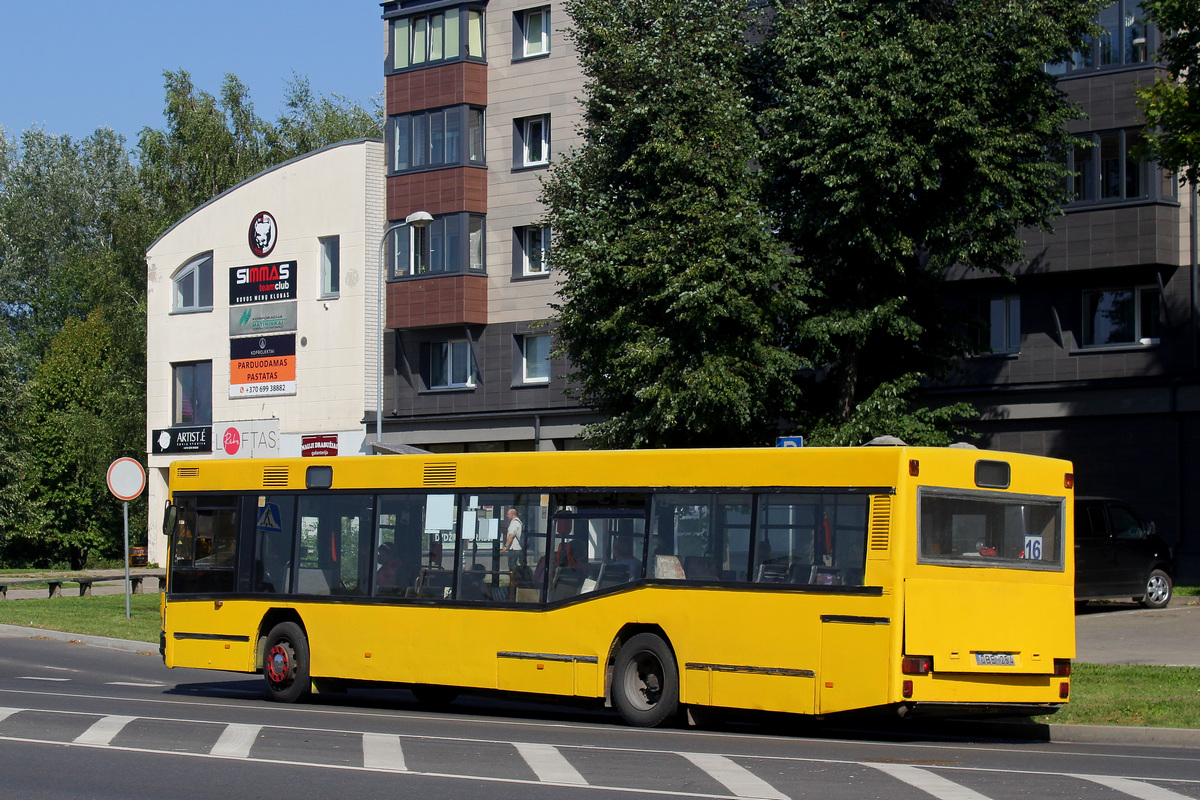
point(285, 665)
point(645, 682)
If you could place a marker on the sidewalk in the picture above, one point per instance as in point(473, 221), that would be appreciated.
point(1126, 633)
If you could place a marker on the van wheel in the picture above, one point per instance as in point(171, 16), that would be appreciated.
point(285, 667)
point(1158, 590)
point(645, 682)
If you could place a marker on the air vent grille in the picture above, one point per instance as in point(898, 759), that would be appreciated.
point(275, 476)
point(441, 474)
point(187, 472)
point(880, 526)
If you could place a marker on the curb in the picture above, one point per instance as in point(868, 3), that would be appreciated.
point(125, 645)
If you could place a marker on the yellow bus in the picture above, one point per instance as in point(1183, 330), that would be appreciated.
point(801, 580)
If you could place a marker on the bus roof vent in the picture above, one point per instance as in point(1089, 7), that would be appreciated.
point(441, 473)
point(275, 476)
point(881, 523)
point(187, 472)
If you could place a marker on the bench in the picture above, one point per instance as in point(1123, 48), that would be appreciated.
point(55, 584)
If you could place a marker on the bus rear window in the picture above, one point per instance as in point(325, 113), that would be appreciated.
point(990, 529)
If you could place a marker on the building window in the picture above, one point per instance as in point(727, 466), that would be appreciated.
point(1121, 316)
point(533, 350)
point(1105, 169)
point(434, 139)
point(1123, 39)
point(451, 244)
point(425, 39)
point(531, 251)
point(531, 141)
point(194, 285)
point(451, 365)
point(330, 266)
point(999, 325)
point(531, 29)
point(192, 393)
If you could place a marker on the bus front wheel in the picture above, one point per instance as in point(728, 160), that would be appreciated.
point(285, 666)
point(645, 683)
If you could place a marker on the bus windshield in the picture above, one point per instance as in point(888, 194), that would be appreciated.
point(990, 529)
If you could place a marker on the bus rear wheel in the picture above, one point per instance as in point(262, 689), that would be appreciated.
point(285, 665)
point(645, 683)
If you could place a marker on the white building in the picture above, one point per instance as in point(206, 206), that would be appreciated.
point(263, 320)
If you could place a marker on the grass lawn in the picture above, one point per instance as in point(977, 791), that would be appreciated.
point(103, 615)
point(1131, 694)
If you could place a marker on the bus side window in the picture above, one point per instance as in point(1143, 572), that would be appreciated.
point(204, 548)
point(336, 552)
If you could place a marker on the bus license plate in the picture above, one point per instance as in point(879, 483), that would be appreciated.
point(995, 660)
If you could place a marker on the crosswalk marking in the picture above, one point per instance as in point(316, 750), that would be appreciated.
point(549, 764)
point(104, 730)
point(383, 751)
point(928, 782)
point(733, 776)
point(236, 740)
point(1138, 789)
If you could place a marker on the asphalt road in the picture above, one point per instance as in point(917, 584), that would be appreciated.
point(79, 721)
point(1125, 633)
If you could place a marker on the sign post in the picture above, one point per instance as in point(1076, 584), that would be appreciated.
point(126, 480)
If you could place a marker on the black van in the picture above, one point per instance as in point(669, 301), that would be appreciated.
point(1118, 555)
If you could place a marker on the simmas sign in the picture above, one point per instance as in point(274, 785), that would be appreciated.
point(262, 366)
point(262, 283)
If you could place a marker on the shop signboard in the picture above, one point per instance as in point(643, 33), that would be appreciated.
point(262, 366)
point(192, 439)
point(256, 320)
point(261, 283)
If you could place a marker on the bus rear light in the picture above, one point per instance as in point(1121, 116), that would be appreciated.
point(908, 690)
point(914, 467)
point(1062, 667)
point(1064, 690)
point(1069, 480)
point(916, 665)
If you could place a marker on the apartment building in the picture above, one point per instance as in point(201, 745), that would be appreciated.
point(481, 99)
point(1091, 352)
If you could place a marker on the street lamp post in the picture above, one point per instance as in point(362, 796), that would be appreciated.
point(417, 219)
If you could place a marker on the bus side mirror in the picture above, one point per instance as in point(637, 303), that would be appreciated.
point(170, 518)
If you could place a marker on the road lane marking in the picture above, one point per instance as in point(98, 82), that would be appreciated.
point(929, 782)
point(383, 751)
point(5, 713)
point(734, 777)
point(1138, 789)
point(104, 730)
point(41, 678)
point(549, 764)
point(236, 740)
point(136, 685)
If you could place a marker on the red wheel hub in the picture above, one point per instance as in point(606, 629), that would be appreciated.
point(281, 663)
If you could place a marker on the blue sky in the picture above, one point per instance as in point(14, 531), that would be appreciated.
point(72, 66)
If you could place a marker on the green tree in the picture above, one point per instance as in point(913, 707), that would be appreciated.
point(81, 413)
point(1172, 104)
point(902, 137)
point(313, 122)
point(675, 295)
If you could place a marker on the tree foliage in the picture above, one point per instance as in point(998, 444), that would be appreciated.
point(1172, 104)
point(675, 295)
point(757, 225)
